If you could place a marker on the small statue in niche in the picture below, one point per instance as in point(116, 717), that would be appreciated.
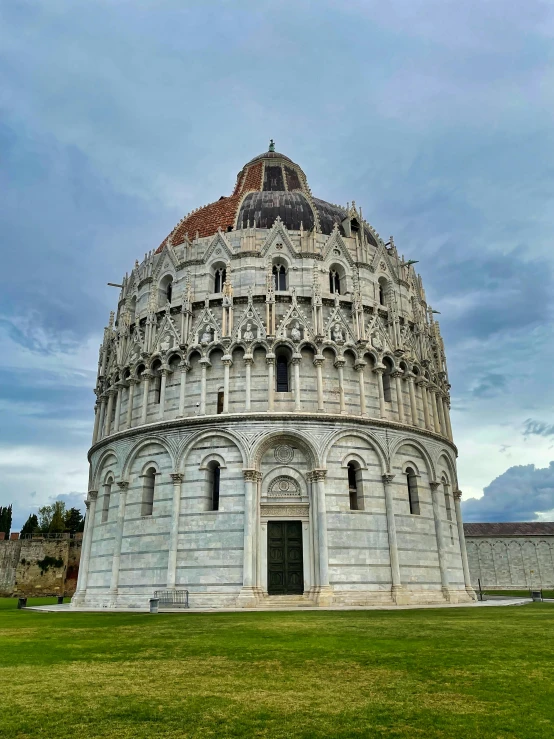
point(376, 341)
point(166, 343)
point(227, 294)
point(337, 333)
point(206, 336)
point(248, 333)
point(295, 333)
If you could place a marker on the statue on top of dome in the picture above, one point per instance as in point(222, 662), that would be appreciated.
point(271, 145)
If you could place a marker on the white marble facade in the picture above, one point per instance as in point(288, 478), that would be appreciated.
point(305, 370)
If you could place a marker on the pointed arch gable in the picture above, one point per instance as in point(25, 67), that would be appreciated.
point(335, 241)
point(166, 261)
point(278, 234)
point(219, 240)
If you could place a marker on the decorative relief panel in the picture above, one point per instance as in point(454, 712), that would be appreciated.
point(283, 487)
point(287, 511)
point(284, 453)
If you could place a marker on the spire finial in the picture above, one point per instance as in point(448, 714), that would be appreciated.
point(271, 145)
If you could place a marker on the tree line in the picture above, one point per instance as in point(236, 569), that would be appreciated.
point(51, 519)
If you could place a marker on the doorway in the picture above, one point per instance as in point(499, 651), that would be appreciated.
point(285, 568)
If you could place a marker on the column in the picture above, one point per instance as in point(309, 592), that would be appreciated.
point(108, 416)
point(413, 404)
point(247, 596)
point(146, 387)
point(177, 479)
point(423, 384)
point(318, 361)
point(296, 359)
point(462, 540)
point(102, 415)
point(97, 407)
point(204, 364)
point(163, 384)
point(436, 424)
point(445, 585)
point(359, 367)
point(248, 361)
point(86, 547)
point(114, 584)
point(440, 409)
point(184, 367)
point(397, 374)
point(379, 369)
point(446, 409)
point(270, 361)
point(323, 547)
point(339, 364)
point(118, 391)
point(131, 394)
point(397, 588)
point(227, 362)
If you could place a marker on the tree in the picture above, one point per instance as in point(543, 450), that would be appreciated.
point(45, 514)
point(6, 520)
point(73, 518)
point(57, 524)
point(30, 525)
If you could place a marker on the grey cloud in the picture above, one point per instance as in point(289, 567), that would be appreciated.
point(532, 427)
point(518, 494)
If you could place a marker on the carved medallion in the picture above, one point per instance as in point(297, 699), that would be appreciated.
point(284, 453)
point(283, 487)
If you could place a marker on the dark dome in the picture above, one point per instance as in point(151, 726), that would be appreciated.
point(262, 208)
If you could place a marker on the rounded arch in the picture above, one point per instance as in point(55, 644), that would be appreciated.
point(337, 277)
point(420, 447)
point(211, 459)
point(101, 465)
point(215, 347)
point(353, 457)
point(218, 275)
point(189, 444)
point(165, 288)
point(446, 462)
point(133, 453)
point(363, 434)
point(409, 464)
point(151, 464)
point(295, 437)
point(384, 286)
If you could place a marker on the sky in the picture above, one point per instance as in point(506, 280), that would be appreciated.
point(436, 117)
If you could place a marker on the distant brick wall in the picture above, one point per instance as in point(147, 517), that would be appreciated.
point(39, 566)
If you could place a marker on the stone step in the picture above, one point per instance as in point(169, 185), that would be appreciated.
point(286, 601)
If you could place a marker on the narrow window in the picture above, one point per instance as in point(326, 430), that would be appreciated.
point(220, 397)
point(413, 496)
point(215, 477)
point(148, 487)
point(382, 291)
point(275, 277)
point(157, 388)
point(282, 375)
point(282, 278)
point(169, 291)
point(381, 295)
point(451, 535)
point(219, 280)
point(334, 282)
point(387, 386)
point(352, 486)
point(106, 500)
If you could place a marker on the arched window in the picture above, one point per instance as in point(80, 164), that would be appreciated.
point(413, 496)
point(148, 487)
point(157, 381)
point(334, 281)
point(106, 499)
point(219, 279)
point(279, 277)
point(220, 400)
point(383, 289)
point(169, 291)
point(214, 478)
point(447, 502)
point(387, 391)
point(282, 374)
point(355, 486)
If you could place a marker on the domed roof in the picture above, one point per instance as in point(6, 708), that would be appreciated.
point(269, 185)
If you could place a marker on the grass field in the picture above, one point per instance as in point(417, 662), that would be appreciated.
point(467, 672)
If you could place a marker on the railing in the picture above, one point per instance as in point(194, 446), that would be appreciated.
point(173, 598)
point(47, 535)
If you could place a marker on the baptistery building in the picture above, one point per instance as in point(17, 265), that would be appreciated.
point(272, 417)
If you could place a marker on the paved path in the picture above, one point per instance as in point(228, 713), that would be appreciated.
point(66, 608)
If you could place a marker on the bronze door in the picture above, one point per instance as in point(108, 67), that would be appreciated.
point(285, 570)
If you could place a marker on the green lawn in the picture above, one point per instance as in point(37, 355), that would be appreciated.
point(461, 673)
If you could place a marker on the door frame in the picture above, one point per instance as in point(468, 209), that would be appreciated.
point(302, 515)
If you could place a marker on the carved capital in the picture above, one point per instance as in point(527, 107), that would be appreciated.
point(397, 373)
point(379, 369)
point(422, 382)
point(205, 362)
point(434, 486)
point(92, 495)
point(184, 366)
point(318, 475)
point(270, 358)
point(132, 381)
point(123, 485)
point(457, 494)
point(359, 366)
point(318, 360)
point(177, 477)
point(339, 362)
point(387, 479)
point(251, 475)
point(147, 375)
point(227, 359)
point(296, 358)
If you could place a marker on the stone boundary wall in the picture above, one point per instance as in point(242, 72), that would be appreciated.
point(511, 563)
point(39, 567)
